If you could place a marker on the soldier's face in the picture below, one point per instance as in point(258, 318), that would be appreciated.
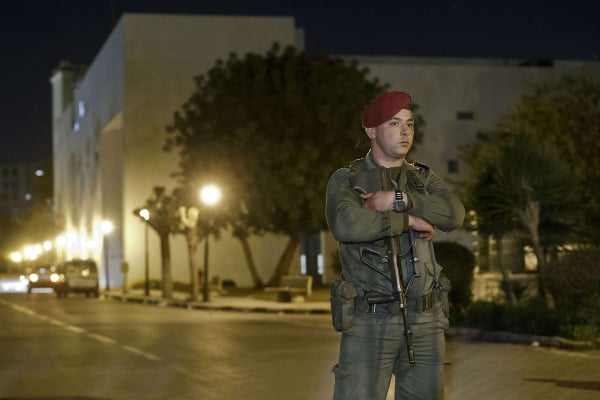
point(394, 138)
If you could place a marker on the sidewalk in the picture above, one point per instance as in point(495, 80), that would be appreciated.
point(249, 304)
point(219, 302)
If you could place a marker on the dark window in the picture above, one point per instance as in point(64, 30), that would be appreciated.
point(453, 166)
point(465, 115)
point(483, 136)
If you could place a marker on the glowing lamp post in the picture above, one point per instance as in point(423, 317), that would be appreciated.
point(145, 215)
point(107, 228)
point(210, 196)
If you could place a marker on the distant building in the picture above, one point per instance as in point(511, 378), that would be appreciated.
point(18, 185)
point(109, 129)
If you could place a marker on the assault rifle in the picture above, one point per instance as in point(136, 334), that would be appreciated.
point(393, 253)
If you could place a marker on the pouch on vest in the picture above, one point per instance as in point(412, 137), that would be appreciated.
point(442, 288)
point(342, 304)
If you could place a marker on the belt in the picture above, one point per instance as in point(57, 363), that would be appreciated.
point(425, 303)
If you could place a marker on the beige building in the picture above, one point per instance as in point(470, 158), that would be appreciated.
point(109, 125)
point(109, 129)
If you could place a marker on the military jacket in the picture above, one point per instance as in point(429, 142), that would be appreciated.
point(362, 232)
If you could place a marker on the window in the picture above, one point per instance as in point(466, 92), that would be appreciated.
point(453, 166)
point(81, 109)
point(483, 136)
point(465, 115)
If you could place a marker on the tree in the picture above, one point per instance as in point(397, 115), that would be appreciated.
point(565, 114)
point(458, 264)
point(163, 218)
point(516, 183)
point(480, 197)
point(189, 224)
point(196, 222)
point(271, 129)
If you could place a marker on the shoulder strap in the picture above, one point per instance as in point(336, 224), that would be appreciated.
point(359, 165)
point(421, 165)
point(364, 179)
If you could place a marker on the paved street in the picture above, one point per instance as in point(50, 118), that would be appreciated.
point(111, 349)
point(493, 371)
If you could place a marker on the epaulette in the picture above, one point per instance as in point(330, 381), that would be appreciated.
point(359, 165)
point(419, 164)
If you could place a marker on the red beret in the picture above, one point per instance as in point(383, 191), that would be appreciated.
point(383, 108)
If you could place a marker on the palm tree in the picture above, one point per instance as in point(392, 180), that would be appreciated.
point(514, 179)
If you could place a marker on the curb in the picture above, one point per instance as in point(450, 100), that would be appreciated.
point(472, 334)
point(517, 338)
point(281, 308)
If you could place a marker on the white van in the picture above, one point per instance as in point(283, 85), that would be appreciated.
point(78, 276)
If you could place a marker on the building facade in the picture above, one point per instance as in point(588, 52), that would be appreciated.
point(109, 123)
point(109, 128)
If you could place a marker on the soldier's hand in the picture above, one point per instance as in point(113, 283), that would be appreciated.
point(422, 227)
point(380, 201)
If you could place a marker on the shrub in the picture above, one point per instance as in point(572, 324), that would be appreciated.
point(458, 263)
point(486, 316)
point(574, 281)
point(531, 317)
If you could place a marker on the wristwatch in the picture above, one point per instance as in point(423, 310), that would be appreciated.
point(399, 204)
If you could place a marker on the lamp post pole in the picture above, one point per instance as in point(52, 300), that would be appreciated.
point(205, 291)
point(146, 264)
point(106, 273)
point(107, 228)
point(210, 195)
point(145, 214)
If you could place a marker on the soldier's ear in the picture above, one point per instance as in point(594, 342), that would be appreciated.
point(371, 132)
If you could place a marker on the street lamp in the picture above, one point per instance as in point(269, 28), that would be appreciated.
point(107, 228)
point(145, 214)
point(210, 195)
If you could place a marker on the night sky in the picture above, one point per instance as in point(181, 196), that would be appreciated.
point(36, 35)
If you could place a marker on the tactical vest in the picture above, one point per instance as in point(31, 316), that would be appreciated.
point(420, 271)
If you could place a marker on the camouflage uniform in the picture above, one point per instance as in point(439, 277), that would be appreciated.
point(373, 343)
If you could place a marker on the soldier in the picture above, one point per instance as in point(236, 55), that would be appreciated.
point(389, 300)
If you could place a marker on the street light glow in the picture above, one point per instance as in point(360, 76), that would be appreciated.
point(61, 241)
point(144, 213)
point(106, 227)
point(210, 195)
point(16, 256)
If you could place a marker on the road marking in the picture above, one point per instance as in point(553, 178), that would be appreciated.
point(96, 336)
point(74, 328)
point(79, 330)
point(102, 338)
point(140, 352)
point(182, 370)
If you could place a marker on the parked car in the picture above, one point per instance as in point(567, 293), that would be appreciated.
point(43, 277)
point(78, 276)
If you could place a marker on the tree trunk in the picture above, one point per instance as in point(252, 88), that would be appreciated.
point(533, 221)
point(508, 287)
point(256, 279)
point(283, 266)
point(167, 280)
point(192, 246)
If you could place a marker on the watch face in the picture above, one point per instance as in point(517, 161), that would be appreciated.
point(399, 204)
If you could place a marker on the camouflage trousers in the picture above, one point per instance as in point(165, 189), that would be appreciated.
point(374, 348)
